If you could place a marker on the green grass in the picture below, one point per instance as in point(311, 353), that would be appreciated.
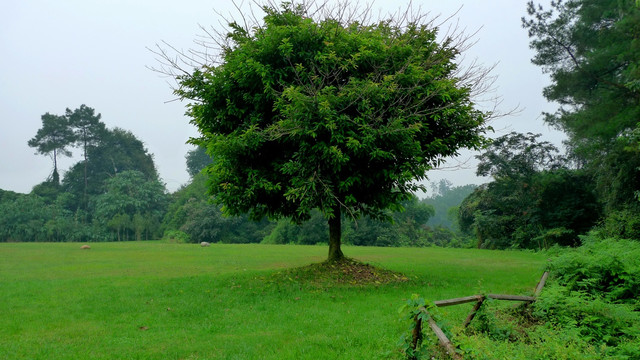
point(153, 300)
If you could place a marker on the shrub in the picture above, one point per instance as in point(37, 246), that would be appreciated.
point(596, 320)
point(560, 236)
point(588, 310)
point(606, 268)
point(594, 293)
point(176, 236)
point(623, 223)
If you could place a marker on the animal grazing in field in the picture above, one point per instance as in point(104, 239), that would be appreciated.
point(204, 243)
point(85, 247)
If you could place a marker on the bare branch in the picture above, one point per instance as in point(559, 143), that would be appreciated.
point(211, 44)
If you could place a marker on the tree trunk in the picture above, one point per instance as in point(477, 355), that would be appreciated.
point(85, 173)
point(55, 177)
point(335, 233)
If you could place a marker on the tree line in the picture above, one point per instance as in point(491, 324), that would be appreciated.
point(538, 198)
point(113, 193)
point(192, 216)
point(313, 124)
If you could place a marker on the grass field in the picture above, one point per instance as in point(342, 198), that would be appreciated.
point(155, 300)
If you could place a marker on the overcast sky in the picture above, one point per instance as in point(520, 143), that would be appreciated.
point(58, 54)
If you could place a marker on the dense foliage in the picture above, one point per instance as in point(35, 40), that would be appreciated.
point(587, 310)
point(590, 49)
point(407, 228)
point(193, 217)
point(533, 202)
point(328, 113)
point(594, 294)
point(601, 268)
point(113, 193)
point(538, 198)
point(114, 152)
point(131, 202)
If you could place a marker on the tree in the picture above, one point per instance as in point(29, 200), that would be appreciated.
point(517, 155)
point(52, 139)
point(115, 151)
point(88, 131)
point(590, 48)
point(197, 159)
point(130, 195)
point(534, 199)
point(120, 150)
point(312, 109)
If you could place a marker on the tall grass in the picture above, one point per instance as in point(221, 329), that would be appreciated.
point(153, 300)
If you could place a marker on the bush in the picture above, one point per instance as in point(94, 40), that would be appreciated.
point(559, 236)
point(595, 293)
point(176, 236)
point(623, 223)
point(588, 310)
point(596, 320)
point(605, 268)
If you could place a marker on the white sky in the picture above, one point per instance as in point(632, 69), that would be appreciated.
point(58, 54)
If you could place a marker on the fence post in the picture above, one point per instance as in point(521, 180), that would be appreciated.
point(472, 314)
point(543, 280)
point(416, 335)
point(442, 338)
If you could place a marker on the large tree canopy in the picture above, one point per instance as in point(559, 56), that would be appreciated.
point(132, 197)
point(53, 138)
point(591, 50)
point(309, 111)
point(115, 151)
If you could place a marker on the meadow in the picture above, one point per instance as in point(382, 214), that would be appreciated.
point(158, 300)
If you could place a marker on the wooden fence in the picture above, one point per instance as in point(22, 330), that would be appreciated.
point(479, 300)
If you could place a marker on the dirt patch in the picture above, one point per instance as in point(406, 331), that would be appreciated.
point(345, 272)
